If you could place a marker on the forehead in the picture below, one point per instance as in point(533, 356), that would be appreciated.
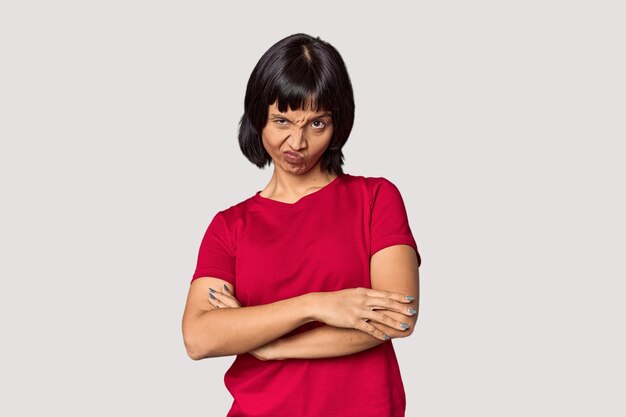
point(308, 112)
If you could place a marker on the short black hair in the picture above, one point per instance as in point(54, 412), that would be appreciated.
point(298, 70)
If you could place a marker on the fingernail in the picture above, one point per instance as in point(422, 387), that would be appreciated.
point(412, 310)
point(211, 289)
point(212, 297)
point(226, 288)
point(410, 297)
point(386, 337)
point(404, 325)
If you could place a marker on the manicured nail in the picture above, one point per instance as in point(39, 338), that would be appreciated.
point(226, 288)
point(386, 337)
point(212, 297)
point(410, 297)
point(211, 289)
point(412, 310)
point(404, 325)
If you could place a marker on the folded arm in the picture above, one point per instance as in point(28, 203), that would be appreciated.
point(210, 332)
point(394, 269)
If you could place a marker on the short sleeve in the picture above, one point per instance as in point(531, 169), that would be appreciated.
point(215, 256)
point(389, 222)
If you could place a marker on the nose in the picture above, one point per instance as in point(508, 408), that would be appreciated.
point(296, 138)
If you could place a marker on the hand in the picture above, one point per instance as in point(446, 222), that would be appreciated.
point(353, 307)
point(225, 299)
point(264, 353)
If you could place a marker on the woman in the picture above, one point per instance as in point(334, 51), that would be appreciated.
point(307, 280)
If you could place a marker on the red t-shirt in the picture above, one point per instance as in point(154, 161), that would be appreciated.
point(271, 250)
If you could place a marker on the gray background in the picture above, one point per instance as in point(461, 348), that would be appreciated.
point(500, 123)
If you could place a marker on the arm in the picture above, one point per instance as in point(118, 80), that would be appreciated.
point(209, 331)
point(322, 342)
point(394, 269)
point(359, 310)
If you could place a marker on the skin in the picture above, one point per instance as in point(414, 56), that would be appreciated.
point(355, 319)
point(304, 132)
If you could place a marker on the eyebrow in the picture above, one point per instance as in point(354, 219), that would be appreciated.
point(282, 116)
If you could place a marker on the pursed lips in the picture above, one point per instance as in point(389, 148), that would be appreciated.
point(295, 155)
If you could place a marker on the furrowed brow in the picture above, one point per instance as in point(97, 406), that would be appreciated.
point(317, 116)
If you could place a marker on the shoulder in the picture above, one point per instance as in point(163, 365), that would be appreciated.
point(370, 181)
point(372, 185)
point(236, 211)
point(231, 213)
point(226, 224)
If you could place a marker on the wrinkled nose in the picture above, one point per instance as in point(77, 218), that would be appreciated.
point(297, 139)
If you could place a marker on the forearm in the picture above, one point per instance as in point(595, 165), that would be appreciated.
point(232, 331)
point(330, 341)
point(323, 342)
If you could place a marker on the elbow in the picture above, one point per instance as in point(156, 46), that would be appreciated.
point(197, 345)
point(195, 350)
point(193, 355)
point(200, 347)
point(198, 350)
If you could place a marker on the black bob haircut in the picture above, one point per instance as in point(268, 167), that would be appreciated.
point(298, 71)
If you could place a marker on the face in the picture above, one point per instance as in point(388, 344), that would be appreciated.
point(304, 133)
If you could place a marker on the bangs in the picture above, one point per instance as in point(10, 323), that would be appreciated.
point(299, 89)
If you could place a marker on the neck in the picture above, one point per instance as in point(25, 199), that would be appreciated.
point(286, 184)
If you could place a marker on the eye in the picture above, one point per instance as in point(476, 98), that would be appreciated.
point(321, 124)
point(280, 122)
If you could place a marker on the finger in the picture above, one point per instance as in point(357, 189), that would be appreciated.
point(225, 299)
point(229, 293)
point(215, 302)
point(216, 299)
point(369, 329)
point(386, 320)
point(382, 303)
point(403, 298)
point(228, 300)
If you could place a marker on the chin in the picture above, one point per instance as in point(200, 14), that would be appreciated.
point(299, 169)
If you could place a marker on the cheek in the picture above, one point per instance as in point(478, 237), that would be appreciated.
point(327, 138)
point(269, 138)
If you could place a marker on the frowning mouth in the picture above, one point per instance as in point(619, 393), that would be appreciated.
point(292, 157)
